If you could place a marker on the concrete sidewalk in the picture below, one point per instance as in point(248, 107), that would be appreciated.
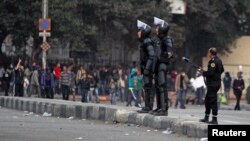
point(112, 113)
point(231, 107)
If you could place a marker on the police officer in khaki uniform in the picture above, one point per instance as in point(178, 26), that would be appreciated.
point(213, 82)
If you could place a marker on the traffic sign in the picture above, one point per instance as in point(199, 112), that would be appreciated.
point(46, 34)
point(45, 46)
point(45, 24)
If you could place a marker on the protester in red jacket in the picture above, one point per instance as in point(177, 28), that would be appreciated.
point(57, 73)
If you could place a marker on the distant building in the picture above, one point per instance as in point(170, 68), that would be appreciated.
point(238, 59)
point(58, 52)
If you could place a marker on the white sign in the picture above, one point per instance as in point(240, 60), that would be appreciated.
point(46, 34)
point(177, 6)
point(158, 21)
point(141, 24)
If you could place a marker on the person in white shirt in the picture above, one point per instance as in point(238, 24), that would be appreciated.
point(199, 87)
point(1, 76)
point(25, 85)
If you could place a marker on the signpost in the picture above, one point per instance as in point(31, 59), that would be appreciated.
point(45, 27)
point(44, 33)
point(178, 6)
point(44, 24)
point(45, 46)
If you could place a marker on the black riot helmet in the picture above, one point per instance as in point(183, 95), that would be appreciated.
point(163, 26)
point(145, 32)
point(144, 28)
point(163, 29)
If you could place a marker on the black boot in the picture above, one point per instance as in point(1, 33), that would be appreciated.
point(144, 110)
point(214, 120)
point(205, 119)
point(161, 113)
point(153, 111)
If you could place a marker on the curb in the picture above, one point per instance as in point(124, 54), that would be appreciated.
point(66, 109)
point(245, 107)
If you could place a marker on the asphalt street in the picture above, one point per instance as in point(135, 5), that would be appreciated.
point(25, 126)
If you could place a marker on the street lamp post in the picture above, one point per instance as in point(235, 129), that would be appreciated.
point(45, 13)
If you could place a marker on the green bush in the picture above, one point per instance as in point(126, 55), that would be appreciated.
point(248, 95)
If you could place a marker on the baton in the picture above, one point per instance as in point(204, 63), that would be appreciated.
point(193, 64)
point(132, 93)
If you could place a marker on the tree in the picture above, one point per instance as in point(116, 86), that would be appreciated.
point(19, 18)
point(116, 20)
point(96, 26)
point(213, 23)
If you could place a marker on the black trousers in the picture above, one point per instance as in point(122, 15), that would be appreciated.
point(161, 86)
point(19, 89)
point(211, 100)
point(6, 87)
point(148, 85)
point(238, 97)
point(49, 92)
point(65, 92)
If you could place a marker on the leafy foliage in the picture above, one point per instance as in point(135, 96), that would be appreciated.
point(214, 23)
point(97, 25)
point(211, 23)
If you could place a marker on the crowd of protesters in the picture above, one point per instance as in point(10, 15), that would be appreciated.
point(90, 82)
point(87, 81)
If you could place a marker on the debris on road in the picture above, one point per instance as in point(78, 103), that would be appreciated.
point(45, 114)
point(168, 131)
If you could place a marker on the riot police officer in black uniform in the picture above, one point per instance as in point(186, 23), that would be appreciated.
point(213, 82)
point(164, 54)
point(147, 63)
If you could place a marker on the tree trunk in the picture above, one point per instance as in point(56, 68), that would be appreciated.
point(4, 60)
point(36, 51)
point(3, 35)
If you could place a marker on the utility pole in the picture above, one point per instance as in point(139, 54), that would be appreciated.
point(45, 14)
point(44, 26)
